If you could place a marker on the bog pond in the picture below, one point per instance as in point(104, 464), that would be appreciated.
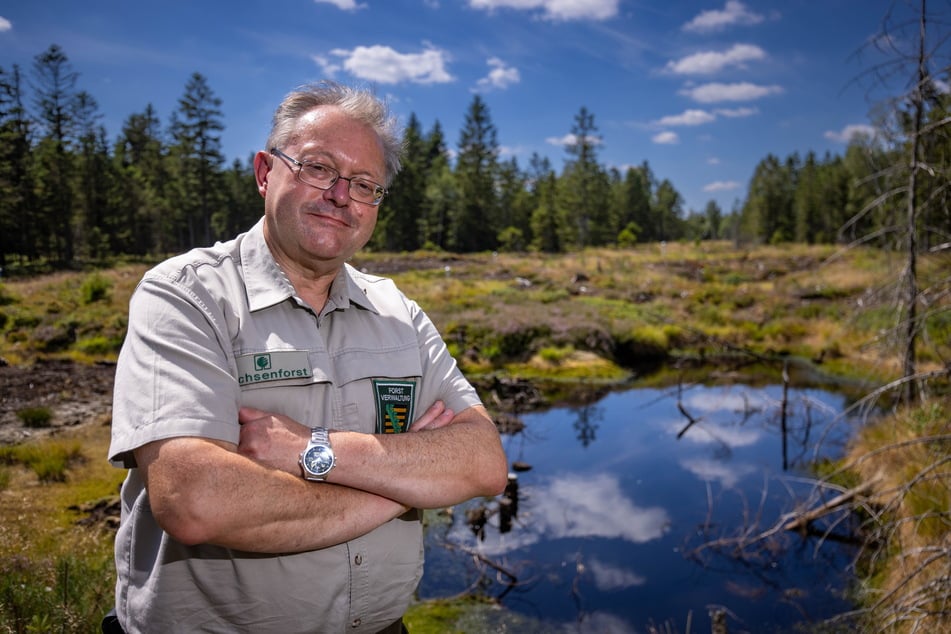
point(625, 512)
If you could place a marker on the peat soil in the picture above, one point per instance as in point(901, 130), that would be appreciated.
point(74, 393)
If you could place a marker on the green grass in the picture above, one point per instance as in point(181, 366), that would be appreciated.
point(49, 460)
point(35, 417)
point(55, 575)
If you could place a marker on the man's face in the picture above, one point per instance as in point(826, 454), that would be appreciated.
point(309, 227)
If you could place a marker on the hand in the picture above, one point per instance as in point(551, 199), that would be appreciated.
point(438, 415)
point(272, 439)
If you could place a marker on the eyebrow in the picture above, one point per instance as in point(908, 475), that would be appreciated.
point(325, 157)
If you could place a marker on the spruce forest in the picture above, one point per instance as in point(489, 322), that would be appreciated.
point(71, 194)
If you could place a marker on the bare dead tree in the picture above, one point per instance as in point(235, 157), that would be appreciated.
point(914, 41)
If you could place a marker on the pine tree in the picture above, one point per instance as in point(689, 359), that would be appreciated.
point(55, 82)
point(17, 226)
point(585, 191)
point(547, 229)
point(96, 220)
point(196, 159)
point(402, 212)
point(474, 221)
point(143, 180)
point(242, 205)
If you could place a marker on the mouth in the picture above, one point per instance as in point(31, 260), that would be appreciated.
point(338, 219)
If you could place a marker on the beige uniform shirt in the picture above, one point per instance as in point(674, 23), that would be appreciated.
point(216, 329)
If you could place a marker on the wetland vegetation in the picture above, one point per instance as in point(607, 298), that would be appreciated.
point(566, 325)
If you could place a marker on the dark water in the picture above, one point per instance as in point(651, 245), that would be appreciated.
point(615, 505)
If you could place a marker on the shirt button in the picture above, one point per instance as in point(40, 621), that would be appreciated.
point(356, 622)
point(358, 560)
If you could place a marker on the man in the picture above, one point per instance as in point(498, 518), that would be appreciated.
point(284, 415)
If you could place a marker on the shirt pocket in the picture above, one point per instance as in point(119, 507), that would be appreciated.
point(379, 390)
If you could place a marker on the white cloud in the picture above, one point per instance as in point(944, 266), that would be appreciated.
point(556, 9)
point(501, 76)
point(734, 12)
point(735, 113)
point(850, 132)
point(5, 25)
point(343, 5)
point(608, 577)
point(329, 68)
point(710, 62)
point(719, 186)
point(570, 139)
point(693, 117)
point(713, 160)
point(666, 138)
point(512, 150)
point(741, 91)
point(688, 117)
point(387, 66)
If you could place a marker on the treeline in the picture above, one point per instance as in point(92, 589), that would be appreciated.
point(68, 192)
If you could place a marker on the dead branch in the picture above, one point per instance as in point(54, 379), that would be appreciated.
point(802, 520)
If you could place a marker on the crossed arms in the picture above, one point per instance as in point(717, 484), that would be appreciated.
point(251, 496)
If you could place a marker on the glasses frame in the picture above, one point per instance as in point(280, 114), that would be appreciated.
point(380, 190)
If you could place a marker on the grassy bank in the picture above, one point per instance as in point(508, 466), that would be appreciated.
point(906, 571)
point(599, 317)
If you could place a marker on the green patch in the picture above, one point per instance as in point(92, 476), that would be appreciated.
point(35, 417)
point(48, 460)
point(470, 614)
point(395, 401)
point(95, 288)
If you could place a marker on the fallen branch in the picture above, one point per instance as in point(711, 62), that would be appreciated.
point(802, 520)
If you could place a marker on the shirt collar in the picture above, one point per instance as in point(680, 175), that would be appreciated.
point(267, 285)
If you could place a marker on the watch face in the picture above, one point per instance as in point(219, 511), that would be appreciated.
point(318, 460)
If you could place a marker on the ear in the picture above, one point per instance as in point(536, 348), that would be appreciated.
point(262, 168)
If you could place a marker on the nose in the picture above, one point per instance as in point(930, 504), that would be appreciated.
point(339, 192)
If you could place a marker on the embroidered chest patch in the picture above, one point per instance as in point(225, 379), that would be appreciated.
point(394, 405)
point(277, 365)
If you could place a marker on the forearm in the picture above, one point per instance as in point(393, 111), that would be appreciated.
point(428, 469)
point(203, 492)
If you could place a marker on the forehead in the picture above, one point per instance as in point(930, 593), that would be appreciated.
point(330, 130)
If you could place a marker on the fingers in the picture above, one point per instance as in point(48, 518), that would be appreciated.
point(248, 414)
point(438, 415)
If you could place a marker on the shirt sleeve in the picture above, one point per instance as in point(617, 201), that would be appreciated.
point(175, 374)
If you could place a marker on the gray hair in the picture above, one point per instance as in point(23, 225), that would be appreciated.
point(360, 104)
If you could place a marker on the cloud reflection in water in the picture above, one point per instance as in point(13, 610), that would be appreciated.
point(578, 507)
point(729, 475)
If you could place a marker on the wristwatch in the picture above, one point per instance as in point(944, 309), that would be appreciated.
point(317, 459)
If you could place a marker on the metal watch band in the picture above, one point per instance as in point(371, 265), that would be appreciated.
point(319, 435)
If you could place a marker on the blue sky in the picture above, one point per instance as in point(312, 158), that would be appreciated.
point(700, 89)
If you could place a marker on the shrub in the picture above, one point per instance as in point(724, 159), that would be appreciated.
point(5, 296)
point(98, 345)
point(35, 417)
point(94, 288)
point(555, 355)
